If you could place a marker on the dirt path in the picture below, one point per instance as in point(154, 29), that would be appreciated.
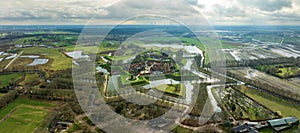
point(13, 60)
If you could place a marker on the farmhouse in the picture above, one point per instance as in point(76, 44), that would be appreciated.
point(283, 123)
point(277, 125)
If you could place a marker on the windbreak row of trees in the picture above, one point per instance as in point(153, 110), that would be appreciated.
point(7, 98)
point(51, 94)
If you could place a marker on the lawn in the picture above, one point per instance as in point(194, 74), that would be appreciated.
point(24, 114)
point(58, 61)
point(274, 103)
point(6, 79)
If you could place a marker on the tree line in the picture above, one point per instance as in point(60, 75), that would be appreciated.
point(7, 98)
point(258, 62)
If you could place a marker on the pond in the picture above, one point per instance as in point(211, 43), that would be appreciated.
point(30, 56)
point(77, 55)
point(11, 57)
point(38, 62)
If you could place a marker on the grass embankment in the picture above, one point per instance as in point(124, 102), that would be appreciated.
point(24, 115)
point(178, 89)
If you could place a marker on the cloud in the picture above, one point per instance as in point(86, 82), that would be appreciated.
point(127, 9)
point(49, 10)
point(217, 11)
point(231, 11)
point(193, 2)
point(254, 12)
point(267, 5)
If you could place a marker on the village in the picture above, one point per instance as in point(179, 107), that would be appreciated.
point(152, 63)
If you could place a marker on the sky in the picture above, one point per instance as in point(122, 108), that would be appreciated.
point(216, 12)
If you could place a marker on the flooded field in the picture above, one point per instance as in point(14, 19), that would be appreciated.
point(30, 56)
point(285, 51)
point(248, 54)
point(38, 62)
point(260, 52)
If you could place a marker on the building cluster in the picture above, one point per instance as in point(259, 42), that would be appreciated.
point(277, 125)
point(152, 64)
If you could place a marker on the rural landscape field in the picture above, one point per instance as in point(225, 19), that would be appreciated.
point(129, 66)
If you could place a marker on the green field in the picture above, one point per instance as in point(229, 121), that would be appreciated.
point(274, 103)
point(281, 70)
point(87, 49)
point(23, 115)
point(28, 40)
point(7, 78)
point(57, 59)
point(20, 63)
point(288, 72)
point(52, 40)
